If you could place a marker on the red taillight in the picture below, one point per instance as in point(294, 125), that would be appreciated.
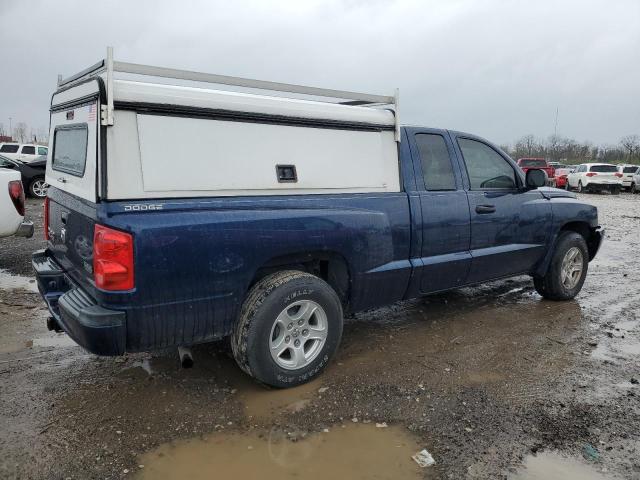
point(563, 176)
point(46, 218)
point(619, 175)
point(591, 174)
point(16, 192)
point(112, 259)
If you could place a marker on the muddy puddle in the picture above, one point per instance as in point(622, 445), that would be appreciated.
point(9, 281)
point(553, 466)
point(354, 451)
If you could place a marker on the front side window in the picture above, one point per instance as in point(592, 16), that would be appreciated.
point(43, 150)
point(9, 148)
point(28, 150)
point(486, 168)
point(436, 163)
point(70, 149)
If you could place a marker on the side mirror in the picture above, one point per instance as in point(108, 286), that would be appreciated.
point(535, 178)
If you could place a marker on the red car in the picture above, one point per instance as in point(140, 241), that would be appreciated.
point(561, 175)
point(527, 163)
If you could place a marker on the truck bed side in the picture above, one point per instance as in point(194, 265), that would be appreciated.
point(196, 258)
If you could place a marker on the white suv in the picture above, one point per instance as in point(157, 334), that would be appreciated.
point(24, 152)
point(635, 182)
point(595, 177)
point(627, 172)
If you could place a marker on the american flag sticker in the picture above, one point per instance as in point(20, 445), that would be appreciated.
point(92, 112)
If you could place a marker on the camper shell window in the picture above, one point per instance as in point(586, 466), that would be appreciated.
point(70, 149)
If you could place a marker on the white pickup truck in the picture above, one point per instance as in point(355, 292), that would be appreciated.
point(12, 220)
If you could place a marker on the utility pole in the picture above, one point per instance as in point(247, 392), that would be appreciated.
point(10, 129)
point(555, 128)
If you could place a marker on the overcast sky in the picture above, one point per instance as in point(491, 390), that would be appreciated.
point(497, 68)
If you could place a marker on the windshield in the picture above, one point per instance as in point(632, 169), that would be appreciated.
point(603, 168)
point(629, 169)
point(533, 163)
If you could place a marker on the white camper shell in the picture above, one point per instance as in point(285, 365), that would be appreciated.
point(117, 139)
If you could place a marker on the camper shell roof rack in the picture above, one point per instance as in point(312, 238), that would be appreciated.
point(109, 66)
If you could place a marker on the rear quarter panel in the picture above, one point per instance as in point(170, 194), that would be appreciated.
point(196, 258)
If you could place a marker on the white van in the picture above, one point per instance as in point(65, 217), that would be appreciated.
point(24, 152)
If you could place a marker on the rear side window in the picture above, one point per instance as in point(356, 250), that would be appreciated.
point(533, 163)
point(9, 148)
point(28, 150)
point(604, 168)
point(486, 168)
point(43, 150)
point(70, 149)
point(629, 169)
point(436, 163)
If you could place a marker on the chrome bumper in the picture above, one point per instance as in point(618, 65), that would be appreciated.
point(25, 229)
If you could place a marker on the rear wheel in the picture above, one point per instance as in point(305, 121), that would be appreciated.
point(634, 188)
point(290, 326)
point(38, 187)
point(580, 188)
point(568, 269)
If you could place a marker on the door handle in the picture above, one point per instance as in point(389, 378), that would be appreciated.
point(485, 209)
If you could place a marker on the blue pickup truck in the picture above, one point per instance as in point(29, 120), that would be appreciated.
point(179, 216)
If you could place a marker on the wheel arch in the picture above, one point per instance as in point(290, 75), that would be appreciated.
point(330, 266)
point(582, 228)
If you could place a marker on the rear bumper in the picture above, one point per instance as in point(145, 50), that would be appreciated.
point(99, 330)
point(25, 229)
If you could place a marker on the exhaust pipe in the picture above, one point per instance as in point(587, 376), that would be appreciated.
point(186, 359)
point(53, 325)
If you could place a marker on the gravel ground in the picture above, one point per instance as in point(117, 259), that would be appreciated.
point(485, 378)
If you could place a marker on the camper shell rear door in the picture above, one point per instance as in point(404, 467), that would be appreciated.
point(73, 173)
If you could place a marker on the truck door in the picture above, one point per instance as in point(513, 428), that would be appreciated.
point(445, 230)
point(509, 225)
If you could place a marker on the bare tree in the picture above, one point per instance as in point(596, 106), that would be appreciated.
point(21, 132)
point(2, 132)
point(631, 144)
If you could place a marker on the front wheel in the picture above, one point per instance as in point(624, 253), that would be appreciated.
point(290, 326)
point(568, 269)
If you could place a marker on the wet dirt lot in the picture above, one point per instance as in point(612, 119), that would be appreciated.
point(493, 381)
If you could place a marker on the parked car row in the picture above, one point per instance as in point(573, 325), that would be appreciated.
point(591, 177)
point(24, 152)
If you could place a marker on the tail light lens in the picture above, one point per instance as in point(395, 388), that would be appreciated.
point(112, 259)
point(16, 192)
point(619, 175)
point(591, 174)
point(46, 218)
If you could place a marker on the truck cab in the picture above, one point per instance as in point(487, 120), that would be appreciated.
point(302, 211)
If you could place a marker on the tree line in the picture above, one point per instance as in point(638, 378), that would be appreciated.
point(557, 148)
point(23, 133)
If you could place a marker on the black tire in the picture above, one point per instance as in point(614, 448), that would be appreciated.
point(634, 188)
point(580, 187)
point(266, 300)
point(36, 189)
point(550, 286)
